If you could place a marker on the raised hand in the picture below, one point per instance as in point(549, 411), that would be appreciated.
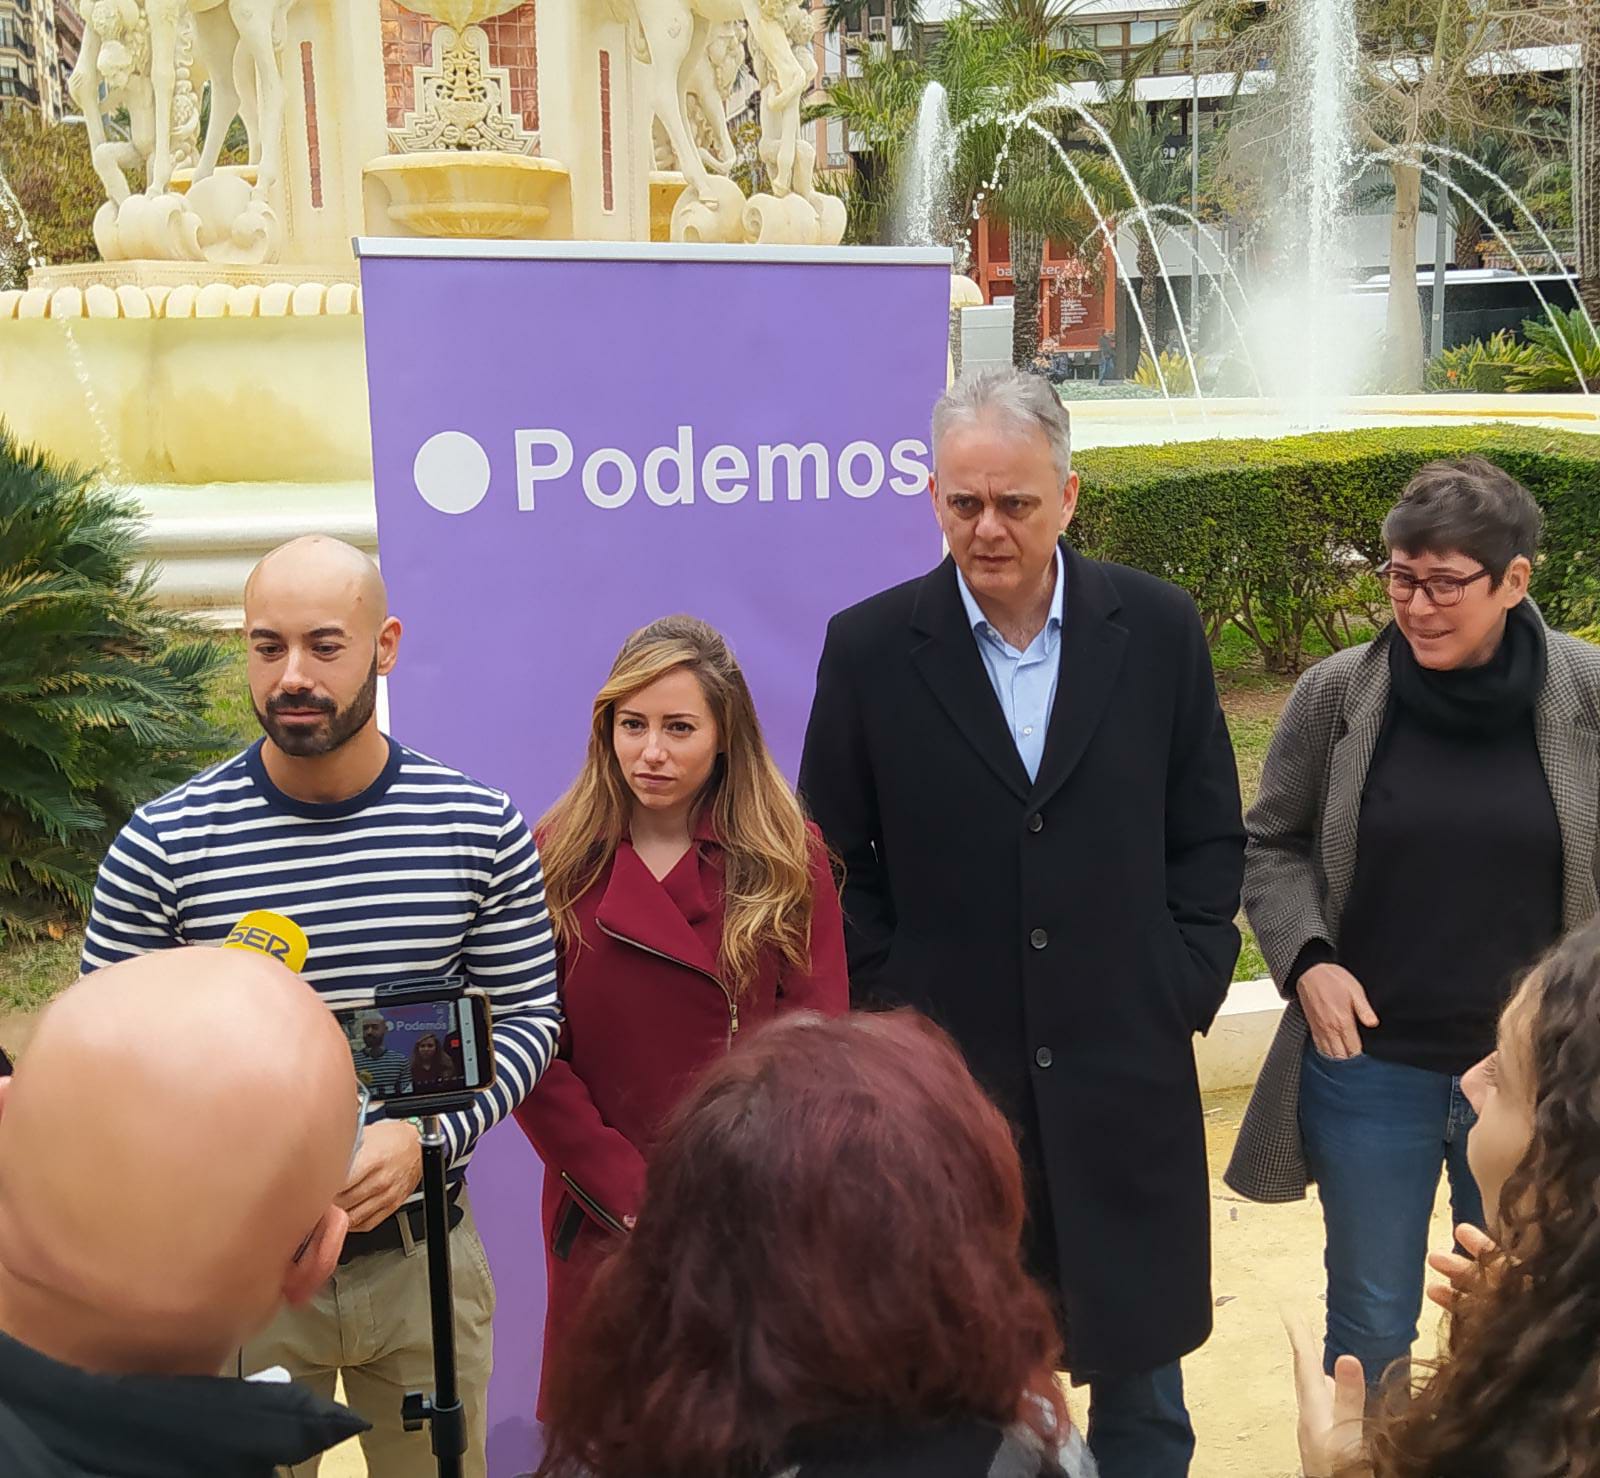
point(1332, 1407)
point(1464, 1271)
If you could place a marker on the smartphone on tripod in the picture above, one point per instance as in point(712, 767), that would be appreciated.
point(425, 1048)
point(421, 1041)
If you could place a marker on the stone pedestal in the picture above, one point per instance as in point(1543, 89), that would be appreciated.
point(334, 122)
point(593, 118)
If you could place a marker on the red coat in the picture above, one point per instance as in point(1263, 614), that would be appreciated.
point(644, 1012)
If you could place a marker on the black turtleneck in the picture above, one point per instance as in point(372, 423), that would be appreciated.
point(1457, 886)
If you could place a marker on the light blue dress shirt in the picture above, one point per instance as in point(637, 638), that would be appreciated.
point(1024, 682)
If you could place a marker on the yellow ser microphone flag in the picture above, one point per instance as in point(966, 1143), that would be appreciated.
point(270, 934)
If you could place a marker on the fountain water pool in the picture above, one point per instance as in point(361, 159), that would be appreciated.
point(1102, 423)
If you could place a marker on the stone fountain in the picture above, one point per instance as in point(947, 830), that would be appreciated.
point(212, 361)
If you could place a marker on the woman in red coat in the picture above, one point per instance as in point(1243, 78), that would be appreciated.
point(691, 901)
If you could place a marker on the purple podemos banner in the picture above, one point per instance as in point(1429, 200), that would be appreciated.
point(572, 440)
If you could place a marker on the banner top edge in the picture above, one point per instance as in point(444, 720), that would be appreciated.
point(465, 249)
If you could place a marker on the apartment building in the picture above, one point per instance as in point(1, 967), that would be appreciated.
point(39, 41)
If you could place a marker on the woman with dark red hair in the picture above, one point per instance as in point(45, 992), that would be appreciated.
point(825, 1278)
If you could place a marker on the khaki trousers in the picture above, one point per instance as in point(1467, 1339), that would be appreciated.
point(371, 1325)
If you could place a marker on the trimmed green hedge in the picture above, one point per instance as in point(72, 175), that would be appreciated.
point(1281, 536)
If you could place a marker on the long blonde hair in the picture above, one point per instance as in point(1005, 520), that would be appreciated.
point(758, 821)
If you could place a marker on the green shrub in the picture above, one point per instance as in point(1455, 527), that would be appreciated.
point(1174, 370)
point(1483, 365)
point(103, 693)
point(1550, 368)
point(1280, 537)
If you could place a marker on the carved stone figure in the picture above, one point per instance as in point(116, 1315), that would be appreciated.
point(780, 107)
point(686, 44)
point(138, 55)
point(238, 41)
point(675, 37)
point(712, 94)
point(796, 211)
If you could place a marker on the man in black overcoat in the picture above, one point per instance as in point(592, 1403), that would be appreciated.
point(1021, 760)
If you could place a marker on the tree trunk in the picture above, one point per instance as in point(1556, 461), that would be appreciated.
point(1586, 172)
point(1402, 348)
point(1027, 257)
point(1149, 263)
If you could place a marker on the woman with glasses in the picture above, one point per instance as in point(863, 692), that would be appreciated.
point(1425, 830)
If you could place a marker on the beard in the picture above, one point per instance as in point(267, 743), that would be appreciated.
point(338, 728)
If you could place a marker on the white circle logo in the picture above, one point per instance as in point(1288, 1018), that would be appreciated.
point(451, 472)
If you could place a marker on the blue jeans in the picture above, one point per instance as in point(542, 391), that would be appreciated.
point(1376, 1134)
point(1139, 1426)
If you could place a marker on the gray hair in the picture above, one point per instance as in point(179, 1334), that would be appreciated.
point(1024, 402)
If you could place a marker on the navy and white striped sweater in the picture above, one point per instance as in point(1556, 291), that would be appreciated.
point(424, 873)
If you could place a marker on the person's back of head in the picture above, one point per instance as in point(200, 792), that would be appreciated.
point(170, 1148)
point(830, 1237)
point(1519, 1394)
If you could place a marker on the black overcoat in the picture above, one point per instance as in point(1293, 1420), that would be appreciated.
point(1072, 933)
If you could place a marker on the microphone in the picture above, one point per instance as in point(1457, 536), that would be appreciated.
point(273, 935)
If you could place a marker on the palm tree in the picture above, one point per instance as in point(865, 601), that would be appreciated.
point(1507, 156)
point(1160, 174)
point(103, 694)
point(993, 58)
point(1023, 53)
point(850, 13)
point(878, 108)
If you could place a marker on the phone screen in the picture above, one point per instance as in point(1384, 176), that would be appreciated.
point(419, 1048)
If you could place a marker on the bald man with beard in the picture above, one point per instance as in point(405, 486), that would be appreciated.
point(396, 867)
point(171, 1147)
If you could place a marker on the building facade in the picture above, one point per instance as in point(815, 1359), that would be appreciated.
point(19, 54)
point(39, 41)
point(1077, 299)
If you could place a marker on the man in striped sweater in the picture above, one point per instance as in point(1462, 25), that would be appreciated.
point(395, 866)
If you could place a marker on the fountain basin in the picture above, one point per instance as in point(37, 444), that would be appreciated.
point(476, 193)
point(241, 379)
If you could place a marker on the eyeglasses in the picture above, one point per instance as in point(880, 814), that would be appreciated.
point(1443, 590)
point(363, 1102)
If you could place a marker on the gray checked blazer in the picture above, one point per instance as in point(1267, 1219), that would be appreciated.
point(1300, 859)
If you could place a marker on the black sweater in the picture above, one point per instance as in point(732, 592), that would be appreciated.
point(1458, 879)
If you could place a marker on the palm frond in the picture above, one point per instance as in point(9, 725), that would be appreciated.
point(103, 692)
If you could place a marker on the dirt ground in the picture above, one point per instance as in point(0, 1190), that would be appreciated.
point(15, 1029)
point(1265, 1258)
